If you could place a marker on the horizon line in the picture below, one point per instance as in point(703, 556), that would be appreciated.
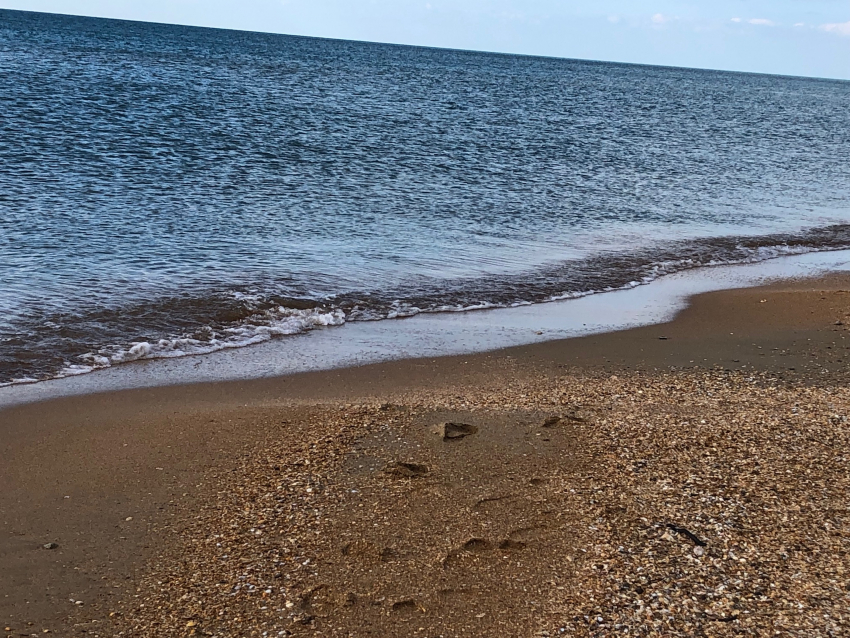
point(434, 47)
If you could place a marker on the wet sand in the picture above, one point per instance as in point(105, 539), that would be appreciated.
point(193, 509)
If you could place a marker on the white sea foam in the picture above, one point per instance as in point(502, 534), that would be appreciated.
point(277, 322)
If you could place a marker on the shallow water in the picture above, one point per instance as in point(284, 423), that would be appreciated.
point(170, 190)
point(439, 334)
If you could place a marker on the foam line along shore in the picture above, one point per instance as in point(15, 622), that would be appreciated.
point(439, 334)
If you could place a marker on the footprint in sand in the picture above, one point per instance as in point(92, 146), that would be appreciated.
point(400, 469)
point(481, 546)
point(319, 602)
point(476, 545)
point(484, 502)
point(406, 607)
point(573, 416)
point(365, 552)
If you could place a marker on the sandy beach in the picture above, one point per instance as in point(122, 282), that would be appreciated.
point(481, 319)
point(682, 479)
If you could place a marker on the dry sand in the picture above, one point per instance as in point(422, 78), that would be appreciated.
point(621, 484)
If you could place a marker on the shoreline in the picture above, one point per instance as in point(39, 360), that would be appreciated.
point(142, 468)
point(429, 335)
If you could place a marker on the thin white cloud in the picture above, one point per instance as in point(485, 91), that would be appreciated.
point(800, 24)
point(839, 28)
point(762, 22)
point(736, 19)
point(660, 18)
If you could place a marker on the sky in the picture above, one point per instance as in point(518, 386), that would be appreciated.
point(791, 37)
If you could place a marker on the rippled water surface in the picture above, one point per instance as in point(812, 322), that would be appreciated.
point(169, 190)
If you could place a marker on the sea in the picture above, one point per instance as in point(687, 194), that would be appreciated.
point(169, 191)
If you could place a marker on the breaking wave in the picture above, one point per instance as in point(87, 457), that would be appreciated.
point(62, 346)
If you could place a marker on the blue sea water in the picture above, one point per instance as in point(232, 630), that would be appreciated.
point(169, 190)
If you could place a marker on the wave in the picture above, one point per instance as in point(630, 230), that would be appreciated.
point(279, 322)
point(203, 324)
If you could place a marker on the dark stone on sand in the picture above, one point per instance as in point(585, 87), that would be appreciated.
point(50, 546)
point(455, 431)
